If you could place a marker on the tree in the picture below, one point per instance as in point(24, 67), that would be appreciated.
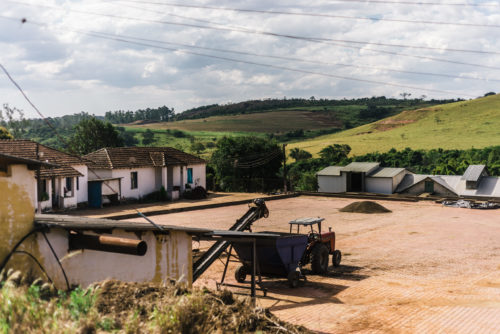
point(298, 154)
point(92, 134)
point(148, 137)
point(247, 164)
point(404, 95)
point(197, 147)
point(4, 134)
point(127, 137)
point(334, 154)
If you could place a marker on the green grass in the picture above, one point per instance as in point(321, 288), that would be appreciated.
point(459, 125)
point(207, 138)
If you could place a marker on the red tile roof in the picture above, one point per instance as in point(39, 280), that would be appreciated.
point(27, 149)
point(133, 157)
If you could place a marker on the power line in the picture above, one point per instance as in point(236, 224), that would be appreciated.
point(297, 59)
point(122, 40)
point(329, 39)
point(309, 39)
point(249, 31)
point(278, 12)
point(371, 2)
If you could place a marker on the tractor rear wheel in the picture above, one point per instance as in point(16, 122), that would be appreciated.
point(336, 257)
point(319, 259)
point(241, 274)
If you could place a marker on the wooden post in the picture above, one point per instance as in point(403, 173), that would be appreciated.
point(284, 169)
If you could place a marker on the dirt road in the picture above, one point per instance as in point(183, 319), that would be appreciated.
point(423, 268)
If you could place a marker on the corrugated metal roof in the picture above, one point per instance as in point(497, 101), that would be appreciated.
point(360, 167)
point(473, 172)
point(330, 171)
point(488, 187)
point(387, 172)
point(409, 180)
point(449, 182)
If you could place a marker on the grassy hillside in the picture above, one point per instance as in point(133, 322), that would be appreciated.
point(458, 125)
point(269, 122)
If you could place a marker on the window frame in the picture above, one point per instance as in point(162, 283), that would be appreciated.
point(134, 180)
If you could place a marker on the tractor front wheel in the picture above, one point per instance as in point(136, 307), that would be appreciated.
point(336, 257)
point(241, 274)
point(319, 259)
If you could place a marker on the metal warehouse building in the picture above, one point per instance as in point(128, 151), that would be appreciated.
point(360, 177)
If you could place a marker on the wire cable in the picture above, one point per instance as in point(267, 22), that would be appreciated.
point(245, 53)
point(278, 12)
point(57, 259)
point(330, 39)
point(326, 41)
point(8, 256)
point(37, 262)
point(122, 40)
point(384, 2)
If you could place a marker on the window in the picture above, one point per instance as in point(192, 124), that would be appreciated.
point(77, 183)
point(133, 180)
point(68, 189)
point(69, 184)
point(190, 175)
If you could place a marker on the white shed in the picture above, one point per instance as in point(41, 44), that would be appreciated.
point(384, 180)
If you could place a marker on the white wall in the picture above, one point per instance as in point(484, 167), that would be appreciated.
point(145, 181)
point(95, 174)
point(24, 178)
point(111, 187)
point(332, 184)
point(199, 175)
point(82, 194)
point(379, 185)
point(167, 257)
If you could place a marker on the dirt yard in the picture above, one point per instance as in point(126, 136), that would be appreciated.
point(423, 268)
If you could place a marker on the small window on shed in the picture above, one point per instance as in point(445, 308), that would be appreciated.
point(133, 180)
point(190, 175)
point(429, 187)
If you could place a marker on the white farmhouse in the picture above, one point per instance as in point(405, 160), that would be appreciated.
point(133, 172)
point(62, 186)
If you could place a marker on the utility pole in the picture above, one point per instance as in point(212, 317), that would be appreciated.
point(38, 183)
point(284, 169)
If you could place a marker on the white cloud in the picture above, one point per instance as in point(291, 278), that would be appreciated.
point(66, 71)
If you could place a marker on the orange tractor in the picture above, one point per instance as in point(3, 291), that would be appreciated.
point(319, 245)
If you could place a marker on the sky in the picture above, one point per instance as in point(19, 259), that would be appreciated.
point(95, 55)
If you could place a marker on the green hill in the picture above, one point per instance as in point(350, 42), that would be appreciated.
point(459, 125)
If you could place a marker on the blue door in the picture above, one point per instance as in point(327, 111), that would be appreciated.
point(95, 194)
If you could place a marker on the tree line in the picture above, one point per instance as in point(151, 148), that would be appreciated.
point(160, 114)
point(253, 106)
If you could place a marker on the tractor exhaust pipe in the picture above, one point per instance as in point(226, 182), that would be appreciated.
point(107, 244)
